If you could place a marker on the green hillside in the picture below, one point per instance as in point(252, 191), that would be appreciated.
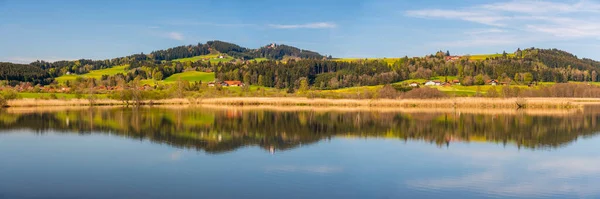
point(485, 56)
point(387, 60)
point(213, 58)
point(191, 76)
point(97, 74)
point(391, 60)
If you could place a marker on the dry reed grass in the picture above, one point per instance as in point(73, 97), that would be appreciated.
point(504, 111)
point(465, 103)
point(319, 109)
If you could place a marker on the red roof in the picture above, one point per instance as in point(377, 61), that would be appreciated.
point(452, 58)
point(239, 83)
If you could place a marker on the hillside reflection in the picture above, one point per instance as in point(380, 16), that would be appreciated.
point(221, 130)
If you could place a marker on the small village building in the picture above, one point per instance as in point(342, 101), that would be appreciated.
point(492, 82)
point(232, 83)
point(433, 83)
point(452, 58)
point(211, 84)
point(414, 84)
point(456, 82)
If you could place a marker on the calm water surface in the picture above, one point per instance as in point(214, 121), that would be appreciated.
point(257, 153)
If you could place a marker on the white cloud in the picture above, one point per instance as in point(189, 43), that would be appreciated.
point(318, 25)
point(472, 16)
point(538, 7)
point(518, 19)
point(482, 39)
point(499, 183)
point(517, 174)
point(175, 35)
point(485, 31)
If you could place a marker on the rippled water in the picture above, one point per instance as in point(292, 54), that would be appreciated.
point(263, 153)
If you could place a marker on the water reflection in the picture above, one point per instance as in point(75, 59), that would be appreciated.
point(570, 173)
point(217, 130)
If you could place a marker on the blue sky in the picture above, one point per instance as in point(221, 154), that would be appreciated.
point(56, 30)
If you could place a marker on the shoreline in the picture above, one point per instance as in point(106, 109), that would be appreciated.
point(464, 102)
point(504, 111)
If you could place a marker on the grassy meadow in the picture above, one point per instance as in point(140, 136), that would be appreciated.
point(213, 58)
point(97, 74)
point(485, 56)
point(192, 76)
point(67, 96)
point(391, 60)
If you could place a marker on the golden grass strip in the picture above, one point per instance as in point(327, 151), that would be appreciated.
point(466, 102)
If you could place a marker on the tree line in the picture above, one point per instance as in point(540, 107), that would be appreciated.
point(15, 73)
point(523, 67)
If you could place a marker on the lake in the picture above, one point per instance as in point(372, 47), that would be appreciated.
point(246, 152)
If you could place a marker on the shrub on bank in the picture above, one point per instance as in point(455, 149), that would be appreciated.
point(564, 90)
point(388, 92)
point(9, 94)
point(424, 93)
point(3, 102)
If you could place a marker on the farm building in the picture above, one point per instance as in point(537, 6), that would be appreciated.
point(452, 58)
point(232, 83)
point(492, 82)
point(414, 84)
point(433, 83)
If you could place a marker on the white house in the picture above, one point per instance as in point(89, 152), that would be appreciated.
point(413, 84)
point(429, 83)
point(433, 83)
point(493, 82)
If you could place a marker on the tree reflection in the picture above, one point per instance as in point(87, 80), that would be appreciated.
point(222, 130)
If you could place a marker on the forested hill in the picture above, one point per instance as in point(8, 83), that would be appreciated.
point(23, 73)
point(547, 65)
point(555, 58)
point(272, 51)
